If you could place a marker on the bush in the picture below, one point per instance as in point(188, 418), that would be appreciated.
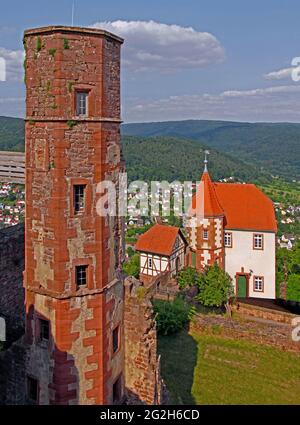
point(186, 277)
point(293, 288)
point(172, 316)
point(215, 287)
point(132, 267)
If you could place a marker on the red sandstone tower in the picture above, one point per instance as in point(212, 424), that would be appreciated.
point(206, 236)
point(74, 296)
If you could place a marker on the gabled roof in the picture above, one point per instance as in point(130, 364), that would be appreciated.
point(244, 205)
point(159, 239)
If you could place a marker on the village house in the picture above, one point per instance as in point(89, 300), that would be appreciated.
point(162, 248)
point(235, 227)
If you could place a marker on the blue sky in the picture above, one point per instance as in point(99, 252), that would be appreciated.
point(200, 59)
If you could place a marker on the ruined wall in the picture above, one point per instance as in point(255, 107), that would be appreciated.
point(142, 366)
point(11, 280)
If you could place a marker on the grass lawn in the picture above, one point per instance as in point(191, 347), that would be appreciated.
point(200, 369)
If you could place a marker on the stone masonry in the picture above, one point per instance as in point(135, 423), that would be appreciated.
point(65, 149)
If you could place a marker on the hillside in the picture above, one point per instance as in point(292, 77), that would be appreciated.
point(158, 158)
point(169, 158)
point(273, 146)
point(11, 134)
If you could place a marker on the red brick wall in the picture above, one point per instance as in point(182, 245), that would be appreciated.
point(62, 150)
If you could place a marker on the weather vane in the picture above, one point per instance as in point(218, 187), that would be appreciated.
point(205, 160)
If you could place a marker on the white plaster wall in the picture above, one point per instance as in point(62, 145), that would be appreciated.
point(262, 262)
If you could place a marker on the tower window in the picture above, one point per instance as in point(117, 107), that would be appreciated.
point(81, 103)
point(116, 339)
point(117, 390)
point(79, 192)
point(44, 330)
point(32, 389)
point(205, 234)
point(81, 275)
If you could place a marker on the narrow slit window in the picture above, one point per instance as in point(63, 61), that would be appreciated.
point(205, 234)
point(44, 330)
point(116, 339)
point(79, 198)
point(81, 275)
point(32, 389)
point(81, 103)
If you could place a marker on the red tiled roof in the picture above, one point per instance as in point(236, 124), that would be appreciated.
point(212, 207)
point(245, 207)
point(159, 239)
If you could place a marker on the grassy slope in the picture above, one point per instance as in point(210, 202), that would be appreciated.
point(11, 134)
point(275, 146)
point(214, 370)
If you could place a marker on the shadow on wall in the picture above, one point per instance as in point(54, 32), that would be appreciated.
point(178, 361)
point(35, 371)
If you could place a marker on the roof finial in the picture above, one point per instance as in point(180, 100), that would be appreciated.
point(205, 160)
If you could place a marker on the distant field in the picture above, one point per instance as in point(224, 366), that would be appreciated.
point(214, 370)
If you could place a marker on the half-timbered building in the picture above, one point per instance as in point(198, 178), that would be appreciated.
point(162, 248)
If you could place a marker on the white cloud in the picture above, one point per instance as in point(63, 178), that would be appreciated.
point(281, 74)
point(280, 103)
point(156, 46)
point(14, 63)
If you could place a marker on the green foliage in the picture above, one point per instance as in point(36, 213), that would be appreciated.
point(52, 52)
point(172, 316)
point(186, 277)
point(71, 123)
point(215, 287)
point(293, 288)
point(274, 147)
point(130, 251)
point(132, 267)
point(39, 44)
point(288, 271)
point(66, 43)
point(178, 159)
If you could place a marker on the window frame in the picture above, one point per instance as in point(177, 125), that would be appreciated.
point(150, 263)
point(86, 268)
point(262, 284)
point(230, 235)
point(255, 235)
point(205, 232)
point(81, 210)
point(78, 92)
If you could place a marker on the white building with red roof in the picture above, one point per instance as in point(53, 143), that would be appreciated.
point(234, 225)
point(162, 249)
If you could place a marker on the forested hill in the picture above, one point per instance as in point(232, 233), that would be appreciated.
point(11, 134)
point(169, 158)
point(273, 146)
point(155, 158)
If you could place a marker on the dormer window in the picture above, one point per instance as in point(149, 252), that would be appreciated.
point(82, 103)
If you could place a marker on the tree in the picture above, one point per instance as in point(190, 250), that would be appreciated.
point(186, 277)
point(293, 288)
point(132, 267)
point(172, 316)
point(215, 287)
